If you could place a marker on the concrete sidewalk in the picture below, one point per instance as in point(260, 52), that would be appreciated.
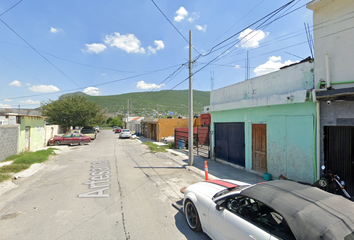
point(217, 169)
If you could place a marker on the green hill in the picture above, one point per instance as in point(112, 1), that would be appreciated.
point(150, 103)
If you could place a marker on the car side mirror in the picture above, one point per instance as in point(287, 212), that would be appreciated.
point(220, 205)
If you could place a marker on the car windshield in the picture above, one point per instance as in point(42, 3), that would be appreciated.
point(228, 190)
point(126, 130)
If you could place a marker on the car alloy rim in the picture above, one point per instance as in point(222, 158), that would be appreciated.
point(191, 215)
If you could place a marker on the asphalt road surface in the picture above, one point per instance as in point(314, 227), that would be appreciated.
point(109, 189)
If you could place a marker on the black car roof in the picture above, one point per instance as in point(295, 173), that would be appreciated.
point(310, 212)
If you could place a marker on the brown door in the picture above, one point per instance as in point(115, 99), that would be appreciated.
point(27, 138)
point(259, 147)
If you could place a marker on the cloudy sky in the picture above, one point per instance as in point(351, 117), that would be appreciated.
point(49, 48)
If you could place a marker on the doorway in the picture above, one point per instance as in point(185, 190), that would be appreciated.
point(259, 147)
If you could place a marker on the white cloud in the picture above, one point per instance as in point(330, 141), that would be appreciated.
point(194, 17)
point(5, 105)
point(28, 84)
point(159, 45)
point(237, 66)
point(144, 85)
point(94, 48)
point(44, 88)
point(55, 30)
point(273, 64)
point(16, 83)
point(29, 101)
point(104, 74)
point(181, 14)
point(200, 28)
point(7, 100)
point(250, 38)
point(128, 43)
point(92, 91)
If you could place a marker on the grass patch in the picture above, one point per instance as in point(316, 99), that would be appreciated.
point(155, 148)
point(23, 161)
point(4, 177)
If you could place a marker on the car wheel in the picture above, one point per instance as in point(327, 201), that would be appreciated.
point(82, 143)
point(192, 216)
point(56, 143)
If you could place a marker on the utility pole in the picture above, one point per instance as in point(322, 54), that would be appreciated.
point(126, 125)
point(190, 134)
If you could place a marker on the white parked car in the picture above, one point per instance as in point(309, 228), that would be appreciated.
point(170, 139)
point(227, 209)
point(125, 133)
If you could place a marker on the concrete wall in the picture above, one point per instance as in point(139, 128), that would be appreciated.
point(333, 34)
point(37, 133)
point(51, 131)
point(290, 137)
point(9, 136)
point(286, 86)
point(166, 127)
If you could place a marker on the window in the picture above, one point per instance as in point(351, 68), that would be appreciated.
point(260, 215)
point(68, 135)
point(77, 135)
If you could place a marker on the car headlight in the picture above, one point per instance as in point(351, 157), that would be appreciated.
point(51, 139)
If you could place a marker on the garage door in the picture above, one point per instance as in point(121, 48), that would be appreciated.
point(230, 142)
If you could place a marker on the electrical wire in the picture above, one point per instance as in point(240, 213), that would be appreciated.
point(173, 25)
point(237, 22)
point(95, 85)
point(11, 8)
point(39, 53)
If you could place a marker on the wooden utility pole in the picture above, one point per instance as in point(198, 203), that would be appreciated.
point(190, 134)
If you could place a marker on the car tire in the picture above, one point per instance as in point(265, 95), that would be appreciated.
point(56, 143)
point(192, 216)
point(82, 143)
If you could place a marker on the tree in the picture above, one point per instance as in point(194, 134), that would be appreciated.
point(73, 110)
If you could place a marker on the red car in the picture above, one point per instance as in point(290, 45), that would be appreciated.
point(118, 130)
point(70, 138)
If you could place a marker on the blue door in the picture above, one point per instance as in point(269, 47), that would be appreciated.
point(230, 142)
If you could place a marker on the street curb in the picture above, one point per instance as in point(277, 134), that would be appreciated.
point(191, 169)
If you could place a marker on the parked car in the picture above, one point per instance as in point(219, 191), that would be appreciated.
point(280, 209)
point(114, 128)
point(125, 133)
point(89, 131)
point(118, 130)
point(97, 129)
point(170, 139)
point(70, 138)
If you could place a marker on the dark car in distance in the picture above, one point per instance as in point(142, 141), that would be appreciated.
point(70, 138)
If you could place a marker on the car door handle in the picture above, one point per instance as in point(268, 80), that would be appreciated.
point(253, 237)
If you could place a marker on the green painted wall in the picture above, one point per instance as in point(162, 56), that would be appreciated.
point(37, 134)
point(290, 137)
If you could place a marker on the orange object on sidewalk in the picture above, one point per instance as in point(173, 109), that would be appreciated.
point(206, 170)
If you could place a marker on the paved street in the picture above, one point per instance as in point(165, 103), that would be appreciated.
point(109, 189)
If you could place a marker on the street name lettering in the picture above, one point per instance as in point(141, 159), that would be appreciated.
point(99, 180)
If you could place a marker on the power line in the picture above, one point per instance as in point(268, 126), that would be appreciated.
point(88, 65)
point(39, 53)
point(237, 22)
point(10, 8)
point(173, 25)
point(95, 85)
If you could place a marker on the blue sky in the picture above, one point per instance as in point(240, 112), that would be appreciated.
point(49, 48)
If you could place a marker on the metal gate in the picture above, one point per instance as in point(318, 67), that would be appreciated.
point(338, 156)
point(200, 141)
point(230, 142)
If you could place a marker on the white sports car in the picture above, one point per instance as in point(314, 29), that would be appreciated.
point(227, 209)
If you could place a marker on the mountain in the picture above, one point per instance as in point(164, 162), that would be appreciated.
point(152, 103)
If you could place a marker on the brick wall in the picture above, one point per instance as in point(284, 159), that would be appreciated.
point(9, 135)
